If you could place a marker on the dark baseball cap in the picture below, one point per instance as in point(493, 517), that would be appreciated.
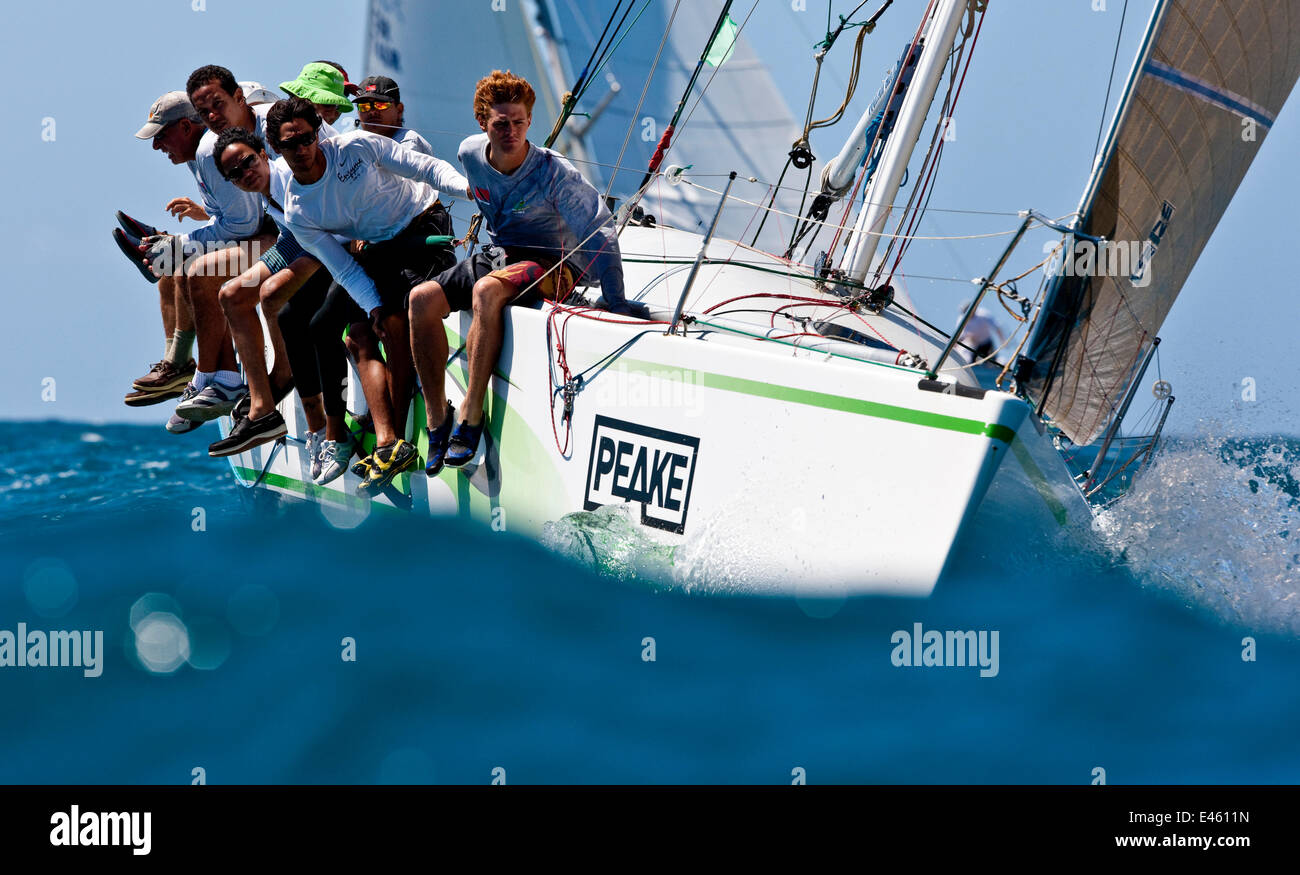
point(377, 88)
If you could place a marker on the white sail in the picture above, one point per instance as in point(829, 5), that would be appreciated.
point(436, 52)
point(1209, 82)
point(741, 122)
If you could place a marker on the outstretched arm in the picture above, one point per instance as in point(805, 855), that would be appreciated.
point(414, 165)
point(581, 208)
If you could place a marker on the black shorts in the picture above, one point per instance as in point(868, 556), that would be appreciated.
point(399, 264)
point(528, 270)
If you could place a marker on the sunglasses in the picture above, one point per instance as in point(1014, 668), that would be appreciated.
point(366, 105)
point(289, 144)
point(239, 168)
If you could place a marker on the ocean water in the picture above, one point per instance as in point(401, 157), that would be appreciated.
point(483, 656)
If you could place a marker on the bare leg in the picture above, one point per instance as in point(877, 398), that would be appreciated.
point(313, 409)
point(204, 277)
point(364, 347)
point(429, 347)
point(238, 299)
point(276, 292)
point(491, 295)
point(336, 428)
point(167, 305)
point(401, 375)
point(184, 315)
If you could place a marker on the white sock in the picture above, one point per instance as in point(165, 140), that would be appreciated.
point(201, 379)
point(229, 379)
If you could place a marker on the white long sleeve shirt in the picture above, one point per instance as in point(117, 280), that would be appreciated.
point(234, 214)
point(371, 190)
point(412, 140)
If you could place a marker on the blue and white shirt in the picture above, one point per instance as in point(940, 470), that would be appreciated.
point(547, 204)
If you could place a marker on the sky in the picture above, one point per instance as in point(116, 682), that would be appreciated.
point(1024, 137)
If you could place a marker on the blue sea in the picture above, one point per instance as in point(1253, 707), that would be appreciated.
point(248, 639)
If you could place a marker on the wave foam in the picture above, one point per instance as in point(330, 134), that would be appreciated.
point(1211, 520)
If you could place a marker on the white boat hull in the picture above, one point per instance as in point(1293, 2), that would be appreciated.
point(781, 470)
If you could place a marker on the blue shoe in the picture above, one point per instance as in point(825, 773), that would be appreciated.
point(438, 441)
point(464, 444)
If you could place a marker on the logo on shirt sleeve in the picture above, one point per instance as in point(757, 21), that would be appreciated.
point(481, 194)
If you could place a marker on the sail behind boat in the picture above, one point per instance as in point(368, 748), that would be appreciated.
point(437, 51)
point(1210, 81)
point(741, 122)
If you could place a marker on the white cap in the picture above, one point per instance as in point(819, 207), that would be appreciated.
point(254, 93)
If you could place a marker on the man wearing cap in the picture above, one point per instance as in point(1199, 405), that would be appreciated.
point(235, 219)
point(239, 218)
point(323, 83)
point(175, 129)
point(255, 94)
point(379, 104)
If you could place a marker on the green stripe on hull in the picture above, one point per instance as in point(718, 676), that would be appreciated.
point(829, 402)
point(859, 406)
point(303, 489)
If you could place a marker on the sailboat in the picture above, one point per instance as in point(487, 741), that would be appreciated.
point(785, 401)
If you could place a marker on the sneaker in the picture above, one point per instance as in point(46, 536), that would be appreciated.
point(438, 439)
point(463, 445)
point(387, 463)
point(178, 424)
point(164, 376)
point(131, 249)
point(361, 467)
point(136, 228)
point(314, 441)
point(334, 457)
point(215, 400)
point(144, 399)
point(249, 433)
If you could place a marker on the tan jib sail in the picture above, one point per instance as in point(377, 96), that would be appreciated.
point(1209, 82)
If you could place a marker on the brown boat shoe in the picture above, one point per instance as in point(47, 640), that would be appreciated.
point(165, 376)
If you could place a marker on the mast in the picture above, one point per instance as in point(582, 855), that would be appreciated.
point(551, 62)
point(938, 40)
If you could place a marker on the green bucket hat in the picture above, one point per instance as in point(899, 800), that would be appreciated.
point(319, 83)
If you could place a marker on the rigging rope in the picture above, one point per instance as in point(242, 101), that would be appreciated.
point(800, 154)
point(1110, 82)
point(571, 98)
point(641, 100)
